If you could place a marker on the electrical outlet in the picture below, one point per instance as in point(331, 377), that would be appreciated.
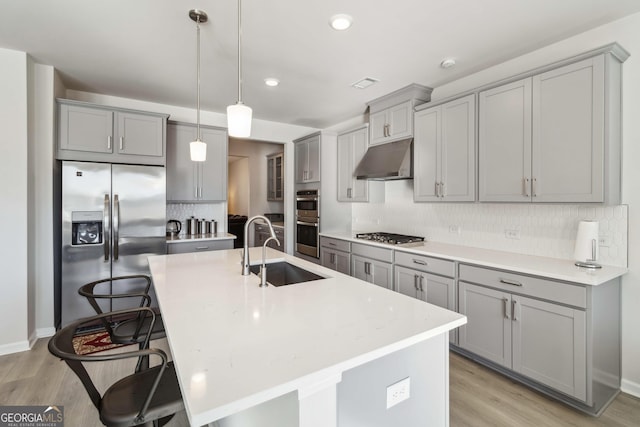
point(398, 392)
point(512, 234)
point(604, 240)
point(455, 229)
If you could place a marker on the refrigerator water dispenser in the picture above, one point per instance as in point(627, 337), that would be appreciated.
point(86, 228)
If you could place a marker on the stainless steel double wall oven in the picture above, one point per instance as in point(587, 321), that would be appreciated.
point(307, 222)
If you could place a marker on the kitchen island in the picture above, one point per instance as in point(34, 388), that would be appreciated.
point(338, 342)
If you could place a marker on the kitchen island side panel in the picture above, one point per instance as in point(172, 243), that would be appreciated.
point(362, 393)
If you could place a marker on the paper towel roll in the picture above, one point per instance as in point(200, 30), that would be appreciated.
point(587, 233)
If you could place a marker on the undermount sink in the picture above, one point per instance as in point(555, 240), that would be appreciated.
point(282, 273)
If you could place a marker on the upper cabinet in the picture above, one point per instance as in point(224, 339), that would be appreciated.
point(444, 152)
point(89, 132)
point(554, 136)
point(391, 116)
point(307, 159)
point(275, 177)
point(189, 181)
point(351, 148)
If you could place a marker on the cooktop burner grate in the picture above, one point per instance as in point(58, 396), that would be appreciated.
point(389, 238)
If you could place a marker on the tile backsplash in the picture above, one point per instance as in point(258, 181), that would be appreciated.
point(533, 229)
point(209, 211)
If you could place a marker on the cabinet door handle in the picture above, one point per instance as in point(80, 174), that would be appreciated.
point(507, 315)
point(525, 187)
point(367, 268)
point(109, 139)
point(514, 310)
point(121, 143)
point(533, 187)
point(420, 262)
point(415, 281)
point(437, 188)
point(441, 189)
point(421, 280)
point(510, 282)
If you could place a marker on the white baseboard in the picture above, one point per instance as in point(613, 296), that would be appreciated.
point(33, 337)
point(45, 332)
point(14, 347)
point(630, 387)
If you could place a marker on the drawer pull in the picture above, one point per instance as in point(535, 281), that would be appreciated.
point(332, 244)
point(202, 248)
point(419, 262)
point(510, 282)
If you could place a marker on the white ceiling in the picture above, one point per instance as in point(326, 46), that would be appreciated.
point(146, 49)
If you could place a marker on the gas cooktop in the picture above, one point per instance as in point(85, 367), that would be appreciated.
point(389, 238)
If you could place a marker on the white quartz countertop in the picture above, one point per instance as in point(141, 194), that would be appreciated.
point(236, 345)
point(182, 238)
point(554, 268)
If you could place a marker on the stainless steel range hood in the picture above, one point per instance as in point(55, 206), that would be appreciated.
point(389, 161)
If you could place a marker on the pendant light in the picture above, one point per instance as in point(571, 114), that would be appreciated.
point(197, 148)
point(239, 115)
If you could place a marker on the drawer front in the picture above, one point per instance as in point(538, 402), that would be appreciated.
point(372, 252)
point(340, 245)
point(561, 292)
point(426, 263)
point(206, 245)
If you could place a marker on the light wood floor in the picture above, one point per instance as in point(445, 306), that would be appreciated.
point(479, 397)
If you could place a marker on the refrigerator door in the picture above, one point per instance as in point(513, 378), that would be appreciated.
point(139, 222)
point(86, 223)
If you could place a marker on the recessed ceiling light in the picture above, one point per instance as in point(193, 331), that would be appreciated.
point(340, 21)
point(270, 81)
point(365, 83)
point(448, 63)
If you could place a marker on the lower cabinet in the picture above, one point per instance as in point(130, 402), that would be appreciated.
point(199, 246)
point(414, 277)
point(372, 264)
point(541, 340)
point(372, 271)
point(427, 287)
point(335, 254)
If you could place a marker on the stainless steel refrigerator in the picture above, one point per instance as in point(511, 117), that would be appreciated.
point(113, 216)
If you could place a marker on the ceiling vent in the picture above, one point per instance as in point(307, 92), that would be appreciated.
point(365, 83)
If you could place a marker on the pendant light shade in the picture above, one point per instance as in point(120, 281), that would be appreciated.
point(239, 115)
point(198, 151)
point(239, 120)
point(197, 148)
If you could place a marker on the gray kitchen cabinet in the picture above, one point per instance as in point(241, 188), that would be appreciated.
point(444, 152)
point(488, 329)
point(189, 181)
point(372, 264)
point(504, 143)
point(89, 132)
point(351, 148)
point(275, 177)
point(335, 254)
point(413, 277)
point(553, 136)
point(538, 328)
point(199, 246)
point(307, 159)
point(391, 124)
point(391, 115)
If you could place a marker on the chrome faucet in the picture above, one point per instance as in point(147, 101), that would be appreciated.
point(245, 250)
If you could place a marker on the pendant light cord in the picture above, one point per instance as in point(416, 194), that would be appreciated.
point(239, 51)
point(198, 77)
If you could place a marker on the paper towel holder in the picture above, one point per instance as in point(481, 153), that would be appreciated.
point(590, 263)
